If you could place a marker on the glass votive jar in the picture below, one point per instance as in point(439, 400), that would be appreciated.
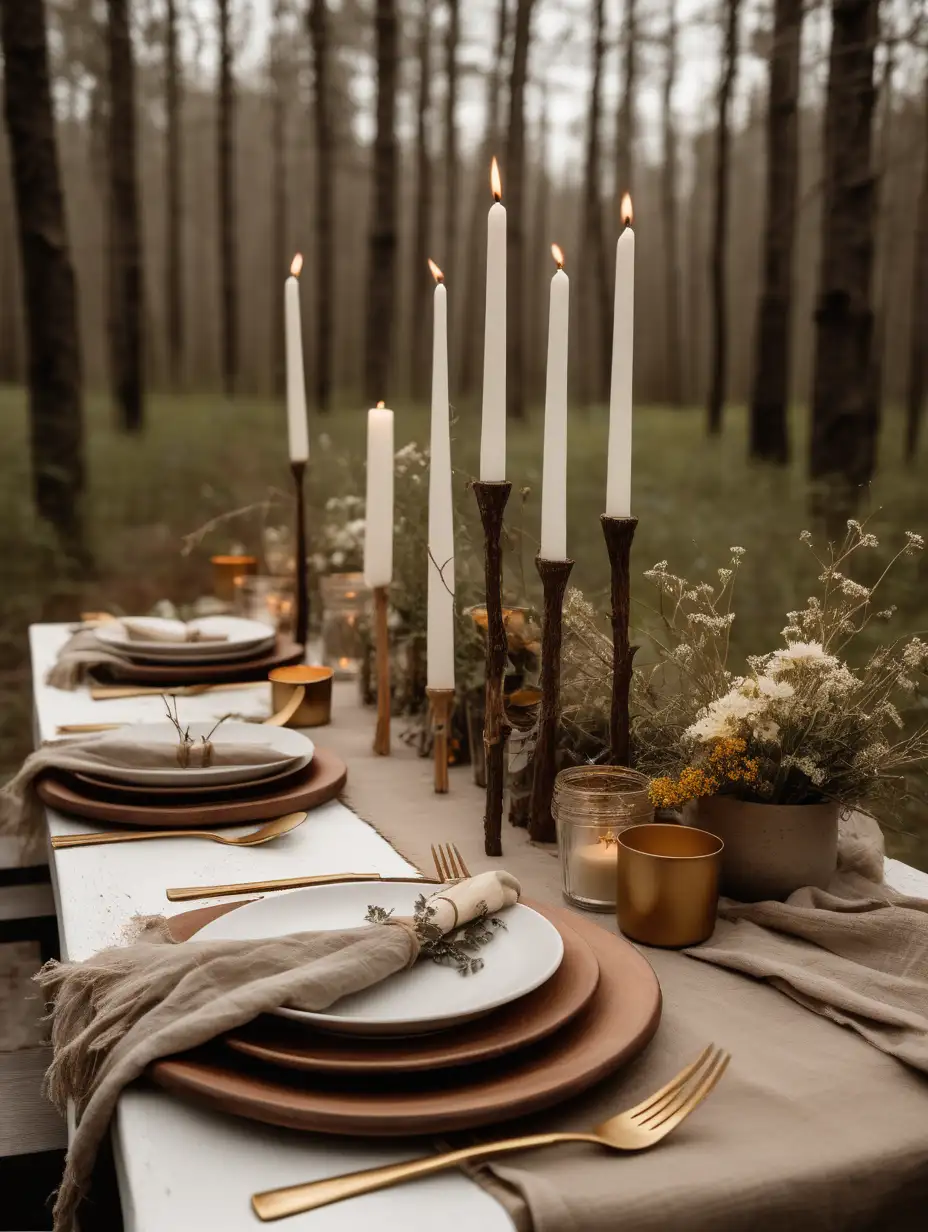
point(344, 606)
point(591, 805)
point(265, 599)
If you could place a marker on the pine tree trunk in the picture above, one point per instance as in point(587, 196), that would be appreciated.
point(450, 152)
point(673, 358)
point(844, 423)
point(918, 326)
point(228, 273)
point(325, 288)
point(127, 307)
point(718, 358)
point(514, 199)
point(625, 119)
point(470, 332)
point(884, 213)
point(279, 253)
point(173, 259)
point(381, 282)
point(421, 324)
point(540, 243)
point(595, 310)
point(769, 430)
point(56, 435)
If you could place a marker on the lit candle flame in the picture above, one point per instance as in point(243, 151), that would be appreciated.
point(381, 405)
point(296, 265)
point(496, 184)
point(558, 256)
point(626, 210)
point(436, 272)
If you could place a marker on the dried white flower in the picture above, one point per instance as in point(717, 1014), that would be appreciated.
point(853, 589)
point(805, 536)
point(914, 543)
point(737, 552)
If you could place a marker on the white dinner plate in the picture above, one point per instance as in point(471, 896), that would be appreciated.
point(429, 997)
point(292, 750)
point(207, 653)
point(236, 632)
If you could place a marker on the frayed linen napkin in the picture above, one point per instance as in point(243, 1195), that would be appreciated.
point(170, 632)
point(116, 1013)
point(78, 657)
point(856, 952)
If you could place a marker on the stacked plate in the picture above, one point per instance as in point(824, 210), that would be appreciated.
point(559, 1004)
point(211, 648)
point(273, 771)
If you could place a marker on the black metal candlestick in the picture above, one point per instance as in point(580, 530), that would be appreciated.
point(491, 501)
point(301, 615)
point(619, 533)
point(554, 575)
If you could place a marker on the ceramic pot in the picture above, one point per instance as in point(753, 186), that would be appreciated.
point(770, 849)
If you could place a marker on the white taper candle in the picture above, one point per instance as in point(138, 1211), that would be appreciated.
point(554, 466)
point(619, 477)
point(297, 430)
point(378, 527)
point(493, 423)
point(440, 641)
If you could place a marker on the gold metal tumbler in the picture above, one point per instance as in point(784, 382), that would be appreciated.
point(315, 710)
point(668, 889)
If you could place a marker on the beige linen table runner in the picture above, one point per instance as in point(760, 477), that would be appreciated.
point(812, 1129)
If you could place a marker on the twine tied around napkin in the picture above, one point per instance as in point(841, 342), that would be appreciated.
point(117, 1012)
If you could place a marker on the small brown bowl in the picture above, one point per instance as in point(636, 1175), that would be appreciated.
point(315, 710)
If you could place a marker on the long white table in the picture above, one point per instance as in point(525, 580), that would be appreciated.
point(179, 1166)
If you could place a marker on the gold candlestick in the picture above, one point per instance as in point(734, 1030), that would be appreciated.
point(619, 533)
point(382, 646)
point(301, 618)
point(442, 704)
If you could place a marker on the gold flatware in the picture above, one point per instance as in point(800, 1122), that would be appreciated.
point(109, 692)
point(78, 729)
point(185, 894)
point(280, 719)
point(449, 863)
point(636, 1129)
point(286, 713)
point(264, 834)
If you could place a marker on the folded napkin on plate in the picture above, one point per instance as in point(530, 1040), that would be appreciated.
point(78, 657)
point(856, 952)
point(174, 632)
point(21, 810)
point(116, 1013)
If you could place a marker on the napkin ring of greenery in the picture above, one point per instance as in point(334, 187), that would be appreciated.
point(456, 949)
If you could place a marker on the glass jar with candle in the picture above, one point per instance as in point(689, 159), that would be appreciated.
point(591, 805)
point(344, 605)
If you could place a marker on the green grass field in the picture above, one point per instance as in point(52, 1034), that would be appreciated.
point(202, 457)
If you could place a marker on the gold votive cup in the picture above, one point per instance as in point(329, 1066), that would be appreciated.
point(315, 710)
point(226, 570)
point(668, 884)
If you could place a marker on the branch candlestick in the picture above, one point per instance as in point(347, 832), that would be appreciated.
point(441, 702)
point(298, 438)
point(619, 533)
point(552, 563)
point(491, 501)
point(378, 554)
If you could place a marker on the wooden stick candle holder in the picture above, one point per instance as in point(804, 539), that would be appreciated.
point(301, 617)
point(619, 533)
point(491, 501)
point(442, 705)
point(554, 575)
point(382, 648)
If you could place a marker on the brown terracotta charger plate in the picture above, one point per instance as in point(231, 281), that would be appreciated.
point(617, 1023)
point(282, 654)
point(316, 784)
point(176, 795)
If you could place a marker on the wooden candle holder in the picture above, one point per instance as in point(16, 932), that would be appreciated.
point(619, 533)
point(442, 704)
point(301, 615)
point(554, 575)
point(491, 501)
point(382, 649)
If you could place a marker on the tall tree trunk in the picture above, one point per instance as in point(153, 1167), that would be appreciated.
point(540, 242)
point(595, 315)
point(718, 359)
point(625, 119)
point(450, 153)
point(228, 273)
point(673, 356)
point(472, 297)
point(844, 422)
point(514, 189)
point(769, 434)
point(382, 277)
point(279, 253)
point(420, 331)
point(918, 326)
point(173, 258)
point(325, 305)
point(50, 299)
point(127, 306)
point(884, 213)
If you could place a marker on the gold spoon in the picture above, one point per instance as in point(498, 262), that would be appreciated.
point(264, 834)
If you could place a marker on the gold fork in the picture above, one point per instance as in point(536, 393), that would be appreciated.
point(449, 863)
point(636, 1129)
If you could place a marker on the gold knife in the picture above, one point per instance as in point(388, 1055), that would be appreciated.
point(77, 729)
point(105, 692)
point(184, 894)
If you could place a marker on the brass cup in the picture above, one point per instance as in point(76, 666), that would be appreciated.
point(226, 569)
point(668, 887)
point(315, 710)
